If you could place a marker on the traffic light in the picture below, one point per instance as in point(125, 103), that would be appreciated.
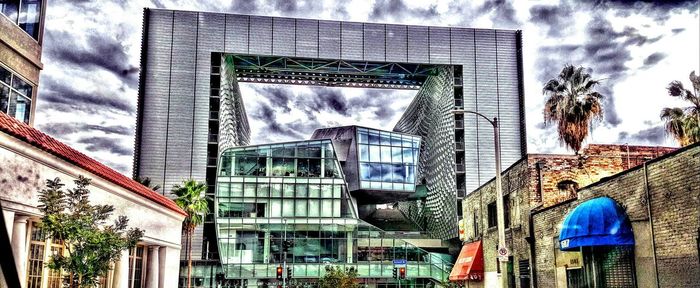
point(395, 271)
point(402, 273)
point(289, 272)
point(279, 272)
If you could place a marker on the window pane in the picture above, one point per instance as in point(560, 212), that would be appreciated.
point(386, 154)
point(22, 87)
point(326, 191)
point(314, 190)
point(396, 153)
point(337, 190)
point(289, 190)
point(395, 140)
point(275, 208)
point(365, 171)
point(263, 190)
point(331, 170)
point(326, 208)
point(10, 8)
point(302, 190)
point(288, 208)
point(336, 208)
point(4, 98)
point(276, 190)
point(249, 190)
point(282, 167)
point(236, 189)
point(314, 208)
point(29, 18)
point(5, 75)
point(300, 208)
point(374, 154)
point(19, 107)
point(398, 173)
point(363, 137)
point(364, 153)
point(224, 190)
point(386, 172)
point(375, 171)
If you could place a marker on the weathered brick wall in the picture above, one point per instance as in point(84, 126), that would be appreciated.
point(674, 189)
point(521, 182)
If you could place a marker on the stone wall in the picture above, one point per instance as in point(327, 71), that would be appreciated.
point(674, 197)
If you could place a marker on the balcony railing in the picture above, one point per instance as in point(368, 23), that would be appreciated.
point(213, 115)
point(459, 146)
point(459, 103)
point(459, 124)
point(459, 168)
point(214, 138)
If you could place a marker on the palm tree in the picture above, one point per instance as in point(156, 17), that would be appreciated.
point(684, 123)
point(147, 182)
point(572, 104)
point(191, 198)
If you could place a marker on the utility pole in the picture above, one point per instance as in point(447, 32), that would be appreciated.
point(500, 216)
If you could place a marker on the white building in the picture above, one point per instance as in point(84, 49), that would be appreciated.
point(29, 157)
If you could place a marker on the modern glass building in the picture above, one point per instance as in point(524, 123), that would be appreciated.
point(296, 192)
point(191, 111)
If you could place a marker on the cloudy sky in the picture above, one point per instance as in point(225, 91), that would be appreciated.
point(88, 89)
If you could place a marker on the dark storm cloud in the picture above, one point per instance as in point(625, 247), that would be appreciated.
point(556, 18)
point(61, 96)
point(276, 131)
point(111, 145)
point(62, 128)
point(323, 99)
point(244, 6)
point(677, 30)
point(279, 96)
point(503, 13)
point(653, 135)
point(653, 59)
point(384, 9)
point(101, 52)
point(659, 10)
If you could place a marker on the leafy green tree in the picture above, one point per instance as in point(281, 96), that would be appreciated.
point(337, 277)
point(91, 244)
point(147, 182)
point(191, 198)
point(572, 103)
point(684, 123)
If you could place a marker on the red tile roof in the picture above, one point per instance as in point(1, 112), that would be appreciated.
point(44, 142)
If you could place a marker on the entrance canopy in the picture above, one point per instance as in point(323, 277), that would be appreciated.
point(596, 222)
point(470, 263)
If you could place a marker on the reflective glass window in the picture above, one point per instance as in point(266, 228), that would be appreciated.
point(309, 168)
point(330, 169)
point(20, 107)
point(263, 190)
point(326, 208)
point(396, 153)
point(288, 208)
point(276, 190)
point(373, 138)
point(281, 151)
point(375, 171)
point(275, 208)
point(314, 208)
point(374, 154)
point(302, 190)
point(314, 190)
point(249, 189)
point(364, 153)
point(365, 171)
point(283, 166)
point(386, 154)
point(10, 8)
point(250, 166)
point(289, 190)
point(326, 191)
point(224, 190)
point(363, 137)
point(236, 189)
point(300, 206)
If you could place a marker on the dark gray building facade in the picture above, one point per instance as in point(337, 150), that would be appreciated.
point(190, 107)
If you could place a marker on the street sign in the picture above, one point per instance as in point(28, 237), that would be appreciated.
point(399, 261)
point(503, 254)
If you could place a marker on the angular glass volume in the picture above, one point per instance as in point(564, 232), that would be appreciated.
point(387, 160)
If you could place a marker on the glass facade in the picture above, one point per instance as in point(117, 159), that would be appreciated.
point(25, 13)
point(387, 160)
point(295, 193)
point(15, 95)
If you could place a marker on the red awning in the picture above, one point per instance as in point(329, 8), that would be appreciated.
point(470, 263)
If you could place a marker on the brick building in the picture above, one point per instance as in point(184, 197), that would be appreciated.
point(21, 34)
point(536, 182)
point(660, 199)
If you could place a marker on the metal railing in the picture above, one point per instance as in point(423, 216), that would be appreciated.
point(459, 167)
point(459, 124)
point(459, 103)
point(459, 146)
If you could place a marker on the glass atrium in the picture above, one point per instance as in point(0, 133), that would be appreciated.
point(297, 192)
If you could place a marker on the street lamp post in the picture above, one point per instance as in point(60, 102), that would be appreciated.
point(500, 216)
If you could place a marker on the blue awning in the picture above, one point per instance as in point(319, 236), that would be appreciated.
point(596, 222)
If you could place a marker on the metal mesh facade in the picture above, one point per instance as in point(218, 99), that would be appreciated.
point(178, 84)
point(430, 116)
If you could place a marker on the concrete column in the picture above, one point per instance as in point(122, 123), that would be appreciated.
point(266, 247)
point(9, 221)
point(152, 275)
point(120, 276)
point(19, 246)
point(169, 270)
